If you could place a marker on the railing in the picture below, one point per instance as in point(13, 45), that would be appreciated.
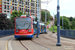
point(67, 33)
point(6, 32)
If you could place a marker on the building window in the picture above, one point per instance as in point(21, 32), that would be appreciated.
point(20, 8)
point(32, 4)
point(13, 8)
point(20, 1)
point(7, 3)
point(26, 10)
point(13, 1)
point(4, 2)
point(7, 0)
point(4, 11)
point(26, 3)
point(4, 6)
point(12, 4)
point(8, 7)
point(8, 11)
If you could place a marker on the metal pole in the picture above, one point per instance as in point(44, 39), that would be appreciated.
point(45, 17)
point(37, 20)
point(23, 7)
point(53, 25)
point(62, 22)
point(17, 5)
point(58, 24)
point(35, 9)
point(29, 7)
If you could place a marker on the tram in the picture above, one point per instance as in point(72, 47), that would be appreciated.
point(23, 27)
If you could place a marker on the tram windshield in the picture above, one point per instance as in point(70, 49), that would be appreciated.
point(23, 23)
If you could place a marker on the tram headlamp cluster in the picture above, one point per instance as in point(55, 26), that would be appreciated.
point(29, 30)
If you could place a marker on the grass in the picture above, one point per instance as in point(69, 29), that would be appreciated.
point(48, 22)
point(55, 28)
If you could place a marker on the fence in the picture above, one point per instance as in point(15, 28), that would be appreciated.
point(67, 33)
point(6, 32)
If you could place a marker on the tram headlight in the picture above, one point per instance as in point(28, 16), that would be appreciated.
point(16, 31)
point(29, 30)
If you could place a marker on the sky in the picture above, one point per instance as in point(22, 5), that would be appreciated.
point(67, 7)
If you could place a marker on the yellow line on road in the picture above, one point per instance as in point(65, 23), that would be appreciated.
point(7, 45)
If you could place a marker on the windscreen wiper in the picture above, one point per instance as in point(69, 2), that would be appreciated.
point(28, 27)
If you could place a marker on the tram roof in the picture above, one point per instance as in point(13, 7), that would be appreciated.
point(39, 23)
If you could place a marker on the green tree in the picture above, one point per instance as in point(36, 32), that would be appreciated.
point(5, 23)
point(43, 16)
point(16, 14)
point(73, 25)
point(71, 18)
point(66, 23)
point(36, 19)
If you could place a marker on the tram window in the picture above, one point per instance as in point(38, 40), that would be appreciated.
point(42, 27)
point(34, 26)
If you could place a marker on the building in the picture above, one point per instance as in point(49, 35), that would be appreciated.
point(28, 6)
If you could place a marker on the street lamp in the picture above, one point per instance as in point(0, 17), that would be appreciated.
point(58, 24)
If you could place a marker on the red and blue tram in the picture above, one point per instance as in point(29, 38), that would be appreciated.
point(23, 27)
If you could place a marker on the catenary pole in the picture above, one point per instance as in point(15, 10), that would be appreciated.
point(53, 22)
point(58, 24)
point(37, 19)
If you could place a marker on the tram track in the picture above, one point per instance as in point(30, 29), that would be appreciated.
point(34, 43)
point(40, 45)
point(50, 37)
point(65, 42)
point(23, 45)
point(53, 40)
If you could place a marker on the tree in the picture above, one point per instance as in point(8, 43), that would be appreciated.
point(71, 18)
point(73, 25)
point(43, 16)
point(16, 14)
point(66, 23)
point(36, 19)
point(5, 23)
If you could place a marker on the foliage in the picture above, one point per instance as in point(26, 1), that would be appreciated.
point(66, 23)
point(16, 14)
point(48, 22)
point(36, 19)
point(71, 18)
point(55, 28)
point(73, 25)
point(5, 23)
point(43, 16)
